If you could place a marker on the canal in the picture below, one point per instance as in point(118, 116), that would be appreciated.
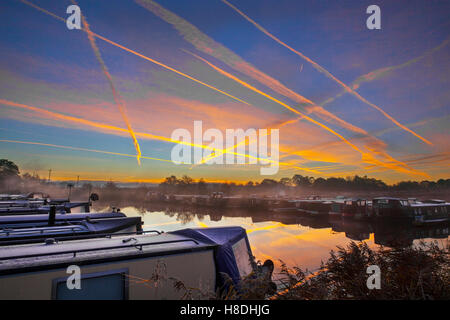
point(295, 240)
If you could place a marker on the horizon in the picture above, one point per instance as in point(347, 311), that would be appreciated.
point(243, 182)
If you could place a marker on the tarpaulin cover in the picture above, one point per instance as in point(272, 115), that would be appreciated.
point(225, 238)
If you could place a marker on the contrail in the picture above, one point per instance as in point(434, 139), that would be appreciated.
point(326, 72)
point(155, 62)
point(82, 149)
point(218, 153)
point(117, 98)
point(382, 72)
point(366, 157)
point(376, 74)
point(207, 45)
point(282, 88)
point(138, 54)
point(94, 124)
point(245, 84)
point(244, 141)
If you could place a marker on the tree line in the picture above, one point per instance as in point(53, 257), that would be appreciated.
point(12, 181)
point(356, 183)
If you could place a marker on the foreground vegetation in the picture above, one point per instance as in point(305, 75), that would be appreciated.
point(420, 272)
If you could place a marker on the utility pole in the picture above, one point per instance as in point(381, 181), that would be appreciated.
point(49, 174)
point(70, 189)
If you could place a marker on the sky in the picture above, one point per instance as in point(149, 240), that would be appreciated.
point(102, 103)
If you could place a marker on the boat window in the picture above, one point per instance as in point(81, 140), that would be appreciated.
point(383, 201)
point(243, 259)
point(109, 285)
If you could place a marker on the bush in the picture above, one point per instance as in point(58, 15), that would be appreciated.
point(420, 272)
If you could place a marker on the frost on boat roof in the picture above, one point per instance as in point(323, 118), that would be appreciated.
point(75, 251)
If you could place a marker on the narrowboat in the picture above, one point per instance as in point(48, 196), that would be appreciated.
point(17, 229)
point(420, 212)
point(336, 209)
point(68, 207)
point(284, 206)
point(430, 213)
point(393, 208)
point(216, 199)
point(134, 267)
point(314, 207)
point(356, 209)
point(32, 198)
point(28, 205)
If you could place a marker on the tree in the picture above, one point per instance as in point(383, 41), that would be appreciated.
point(8, 169)
point(171, 181)
point(186, 180)
point(9, 175)
point(301, 181)
point(202, 187)
point(286, 182)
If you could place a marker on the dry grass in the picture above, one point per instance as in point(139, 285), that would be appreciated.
point(420, 272)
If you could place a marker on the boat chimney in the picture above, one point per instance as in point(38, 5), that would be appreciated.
point(52, 216)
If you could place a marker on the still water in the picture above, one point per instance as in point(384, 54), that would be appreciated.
point(297, 241)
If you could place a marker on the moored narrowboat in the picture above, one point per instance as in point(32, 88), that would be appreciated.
point(314, 207)
point(430, 213)
point(356, 209)
point(336, 209)
point(131, 267)
point(391, 208)
point(20, 229)
point(420, 212)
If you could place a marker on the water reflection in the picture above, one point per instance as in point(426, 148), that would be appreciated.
point(296, 240)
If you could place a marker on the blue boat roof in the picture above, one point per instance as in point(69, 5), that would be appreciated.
point(220, 235)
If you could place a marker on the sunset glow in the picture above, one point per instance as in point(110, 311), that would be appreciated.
point(346, 100)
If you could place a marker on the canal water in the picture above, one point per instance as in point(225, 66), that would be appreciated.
point(297, 241)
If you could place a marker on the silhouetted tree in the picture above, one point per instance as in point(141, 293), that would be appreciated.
point(9, 175)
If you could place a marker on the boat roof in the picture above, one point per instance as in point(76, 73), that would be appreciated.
point(421, 204)
point(433, 201)
point(59, 216)
point(18, 258)
point(388, 198)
